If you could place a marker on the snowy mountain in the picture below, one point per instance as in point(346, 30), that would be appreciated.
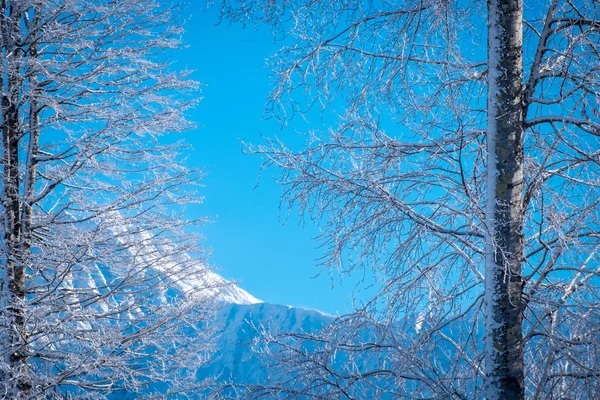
point(239, 324)
point(239, 318)
point(237, 321)
point(224, 291)
point(148, 314)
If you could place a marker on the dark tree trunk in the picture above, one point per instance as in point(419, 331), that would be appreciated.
point(504, 319)
point(16, 384)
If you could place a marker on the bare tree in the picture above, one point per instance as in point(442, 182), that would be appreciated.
point(99, 292)
point(465, 181)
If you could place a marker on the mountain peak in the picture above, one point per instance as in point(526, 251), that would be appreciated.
point(230, 293)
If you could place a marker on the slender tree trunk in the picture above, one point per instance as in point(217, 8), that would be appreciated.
point(34, 138)
point(15, 385)
point(504, 247)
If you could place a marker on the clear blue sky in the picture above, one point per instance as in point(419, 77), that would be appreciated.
point(274, 262)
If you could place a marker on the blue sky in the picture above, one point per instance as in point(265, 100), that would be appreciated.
point(272, 261)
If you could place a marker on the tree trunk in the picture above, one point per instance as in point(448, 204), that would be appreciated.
point(15, 385)
point(504, 213)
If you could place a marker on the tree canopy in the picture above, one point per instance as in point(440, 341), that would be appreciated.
point(99, 291)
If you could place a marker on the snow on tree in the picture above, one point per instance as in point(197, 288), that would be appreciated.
point(465, 180)
point(99, 292)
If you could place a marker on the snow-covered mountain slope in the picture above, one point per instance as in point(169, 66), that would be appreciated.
point(211, 284)
point(134, 278)
point(227, 292)
point(239, 324)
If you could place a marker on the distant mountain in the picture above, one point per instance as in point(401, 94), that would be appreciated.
point(225, 292)
point(238, 317)
point(238, 325)
point(169, 281)
point(237, 321)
